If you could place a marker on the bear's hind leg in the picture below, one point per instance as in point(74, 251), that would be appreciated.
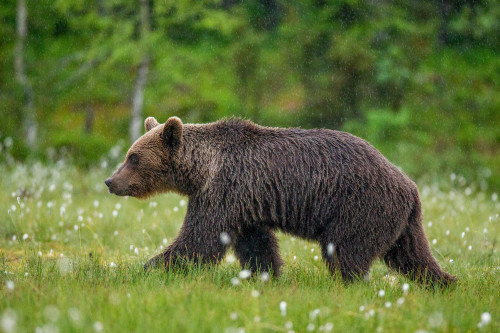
point(346, 257)
point(412, 256)
point(258, 248)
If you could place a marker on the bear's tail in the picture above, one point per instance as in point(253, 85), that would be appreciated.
point(411, 254)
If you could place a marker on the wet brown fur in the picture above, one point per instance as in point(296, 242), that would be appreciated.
point(248, 181)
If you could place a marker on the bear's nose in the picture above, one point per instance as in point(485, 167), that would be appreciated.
point(108, 182)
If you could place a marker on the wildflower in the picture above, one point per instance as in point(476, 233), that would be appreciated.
point(406, 288)
point(313, 314)
point(264, 277)
point(225, 238)
point(244, 274)
point(10, 285)
point(231, 258)
point(98, 326)
point(381, 293)
point(330, 249)
point(235, 281)
point(25, 237)
point(283, 308)
point(9, 321)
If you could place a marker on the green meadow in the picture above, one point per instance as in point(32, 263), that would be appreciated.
point(71, 259)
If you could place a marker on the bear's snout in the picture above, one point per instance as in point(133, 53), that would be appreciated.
point(108, 182)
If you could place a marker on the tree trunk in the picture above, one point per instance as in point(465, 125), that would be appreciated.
point(29, 112)
point(138, 97)
point(89, 118)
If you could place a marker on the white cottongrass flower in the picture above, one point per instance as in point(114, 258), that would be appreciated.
point(98, 327)
point(25, 236)
point(51, 312)
point(233, 315)
point(283, 308)
point(235, 281)
point(10, 285)
point(224, 237)
point(330, 249)
point(264, 277)
point(388, 304)
point(406, 288)
point(244, 274)
point(313, 314)
point(9, 321)
point(115, 213)
point(485, 319)
point(381, 293)
point(255, 293)
point(182, 202)
point(112, 265)
point(400, 301)
point(310, 327)
point(230, 258)
point(136, 251)
point(75, 315)
point(176, 209)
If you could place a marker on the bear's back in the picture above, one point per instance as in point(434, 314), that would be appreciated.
point(300, 179)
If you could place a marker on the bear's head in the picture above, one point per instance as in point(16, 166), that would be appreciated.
point(149, 163)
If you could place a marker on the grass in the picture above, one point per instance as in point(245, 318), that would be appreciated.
point(71, 259)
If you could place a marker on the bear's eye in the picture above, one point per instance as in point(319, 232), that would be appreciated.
point(134, 159)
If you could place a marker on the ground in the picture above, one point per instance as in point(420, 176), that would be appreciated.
point(71, 259)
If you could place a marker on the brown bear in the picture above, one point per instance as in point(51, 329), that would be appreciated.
point(244, 181)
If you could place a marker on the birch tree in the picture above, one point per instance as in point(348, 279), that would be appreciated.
point(142, 73)
point(29, 112)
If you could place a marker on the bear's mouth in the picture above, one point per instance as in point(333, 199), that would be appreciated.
point(119, 192)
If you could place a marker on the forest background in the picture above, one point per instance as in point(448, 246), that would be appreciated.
point(418, 79)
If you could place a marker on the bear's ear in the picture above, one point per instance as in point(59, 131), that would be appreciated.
point(172, 133)
point(150, 123)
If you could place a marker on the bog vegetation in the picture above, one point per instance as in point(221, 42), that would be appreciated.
point(71, 259)
point(418, 79)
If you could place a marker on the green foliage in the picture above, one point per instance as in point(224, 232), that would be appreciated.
point(79, 267)
point(419, 80)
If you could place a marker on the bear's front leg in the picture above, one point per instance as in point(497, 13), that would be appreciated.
point(197, 243)
point(257, 249)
